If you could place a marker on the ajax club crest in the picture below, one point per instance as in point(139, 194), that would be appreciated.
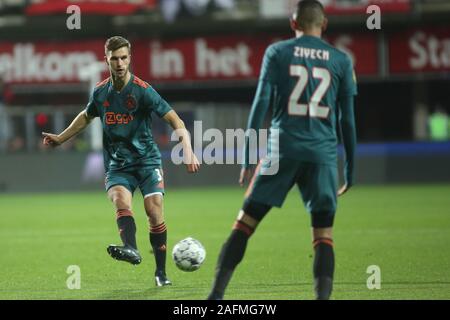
point(130, 103)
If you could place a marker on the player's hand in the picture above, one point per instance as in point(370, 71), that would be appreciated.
point(51, 139)
point(193, 165)
point(246, 175)
point(343, 189)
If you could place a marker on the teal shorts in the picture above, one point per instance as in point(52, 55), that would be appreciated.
point(149, 180)
point(317, 184)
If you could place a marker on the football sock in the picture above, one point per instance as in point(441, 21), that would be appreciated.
point(127, 227)
point(158, 241)
point(230, 256)
point(222, 278)
point(323, 268)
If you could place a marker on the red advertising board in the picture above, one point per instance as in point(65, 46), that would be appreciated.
point(362, 48)
point(42, 7)
point(106, 7)
point(201, 59)
point(360, 7)
point(48, 62)
point(420, 50)
point(234, 57)
point(225, 58)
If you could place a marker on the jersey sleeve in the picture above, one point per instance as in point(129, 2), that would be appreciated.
point(348, 128)
point(91, 108)
point(155, 103)
point(261, 104)
point(269, 66)
point(262, 100)
point(348, 80)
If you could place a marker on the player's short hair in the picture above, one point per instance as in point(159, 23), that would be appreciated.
point(115, 43)
point(309, 14)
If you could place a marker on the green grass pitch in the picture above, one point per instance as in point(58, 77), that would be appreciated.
point(405, 230)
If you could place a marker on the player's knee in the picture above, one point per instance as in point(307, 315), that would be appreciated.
point(322, 220)
point(153, 209)
point(255, 210)
point(250, 216)
point(120, 199)
point(153, 205)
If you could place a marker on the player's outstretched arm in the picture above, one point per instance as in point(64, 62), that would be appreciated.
point(80, 122)
point(261, 103)
point(177, 124)
point(347, 122)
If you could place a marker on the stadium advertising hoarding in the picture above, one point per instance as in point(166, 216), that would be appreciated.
point(268, 8)
point(236, 57)
point(47, 62)
point(284, 8)
point(420, 50)
point(227, 58)
point(105, 7)
point(359, 7)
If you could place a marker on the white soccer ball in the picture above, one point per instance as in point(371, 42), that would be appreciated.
point(188, 254)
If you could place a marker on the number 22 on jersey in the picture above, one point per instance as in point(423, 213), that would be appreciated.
point(315, 110)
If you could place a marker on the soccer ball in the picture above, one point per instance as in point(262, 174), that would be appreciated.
point(188, 254)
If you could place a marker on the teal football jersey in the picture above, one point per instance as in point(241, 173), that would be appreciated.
point(306, 76)
point(126, 119)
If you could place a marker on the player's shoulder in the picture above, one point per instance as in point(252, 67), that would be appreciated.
point(138, 82)
point(277, 50)
point(101, 86)
point(281, 45)
point(338, 54)
point(343, 56)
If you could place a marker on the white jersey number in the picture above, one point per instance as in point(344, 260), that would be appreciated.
point(159, 175)
point(315, 110)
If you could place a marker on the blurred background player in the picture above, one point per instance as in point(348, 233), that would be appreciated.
point(132, 159)
point(309, 84)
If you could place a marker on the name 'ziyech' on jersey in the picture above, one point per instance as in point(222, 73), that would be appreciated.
point(126, 119)
point(306, 76)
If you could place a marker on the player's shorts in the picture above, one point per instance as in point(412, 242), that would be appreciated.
point(149, 180)
point(317, 184)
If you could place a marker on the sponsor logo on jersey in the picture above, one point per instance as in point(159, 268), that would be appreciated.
point(118, 118)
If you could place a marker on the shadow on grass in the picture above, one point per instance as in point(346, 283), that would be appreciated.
point(148, 294)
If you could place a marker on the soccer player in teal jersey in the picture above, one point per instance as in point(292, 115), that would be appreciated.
point(309, 85)
point(125, 105)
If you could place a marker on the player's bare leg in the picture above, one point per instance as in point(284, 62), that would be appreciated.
point(323, 268)
point(234, 248)
point(158, 236)
point(121, 197)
